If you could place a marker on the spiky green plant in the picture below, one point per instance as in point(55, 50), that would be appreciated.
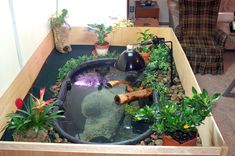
point(37, 115)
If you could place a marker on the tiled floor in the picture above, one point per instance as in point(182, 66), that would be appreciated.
point(224, 109)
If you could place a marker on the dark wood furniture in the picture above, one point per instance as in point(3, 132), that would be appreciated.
point(146, 11)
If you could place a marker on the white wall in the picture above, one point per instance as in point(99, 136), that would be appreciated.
point(32, 21)
point(32, 26)
point(9, 65)
point(83, 12)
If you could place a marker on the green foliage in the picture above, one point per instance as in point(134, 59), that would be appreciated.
point(74, 62)
point(159, 58)
point(143, 39)
point(147, 113)
point(36, 116)
point(101, 31)
point(168, 116)
point(131, 108)
point(57, 21)
point(145, 36)
point(159, 61)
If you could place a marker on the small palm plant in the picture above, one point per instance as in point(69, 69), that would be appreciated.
point(33, 122)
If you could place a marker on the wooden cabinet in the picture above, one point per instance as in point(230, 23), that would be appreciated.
point(146, 11)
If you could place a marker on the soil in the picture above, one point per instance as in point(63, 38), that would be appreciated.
point(182, 137)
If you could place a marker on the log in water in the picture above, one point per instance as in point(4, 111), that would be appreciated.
point(132, 96)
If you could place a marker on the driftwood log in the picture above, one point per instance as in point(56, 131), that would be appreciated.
point(120, 82)
point(61, 38)
point(132, 96)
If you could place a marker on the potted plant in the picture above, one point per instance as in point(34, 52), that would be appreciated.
point(101, 46)
point(32, 123)
point(178, 122)
point(144, 39)
point(61, 30)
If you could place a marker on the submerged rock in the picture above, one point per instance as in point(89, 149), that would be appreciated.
point(102, 114)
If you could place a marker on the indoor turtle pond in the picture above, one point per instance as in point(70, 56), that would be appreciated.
point(93, 112)
point(96, 96)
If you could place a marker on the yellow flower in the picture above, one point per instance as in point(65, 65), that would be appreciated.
point(186, 126)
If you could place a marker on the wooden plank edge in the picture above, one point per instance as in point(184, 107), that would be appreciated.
point(119, 37)
point(107, 149)
point(210, 122)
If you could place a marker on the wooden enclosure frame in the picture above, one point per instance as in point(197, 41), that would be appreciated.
point(212, 140)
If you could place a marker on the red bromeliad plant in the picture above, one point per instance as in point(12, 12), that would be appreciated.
point(36, 117)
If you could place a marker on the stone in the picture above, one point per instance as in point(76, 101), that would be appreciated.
point(158, 142)
point(65, 140)
point(164, 79)
point(147, 140)
point(153, 136)
point(58, 140)
point(176, 80)
point(56, 135)
point(199, 140)
point(142, 142)
point(174, 96)
point(102, 114)
point(151, 144)
point(173, 87)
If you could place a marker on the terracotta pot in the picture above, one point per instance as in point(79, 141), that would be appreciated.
point(146, 57)
point(102, 49)
point(31, 136)
point(169, 141)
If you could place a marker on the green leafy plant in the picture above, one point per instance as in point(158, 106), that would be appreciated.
point(58, 20)
point(101, 32)
point(38, 114)
point(168, 116)
point(144, 38)
point(131, 109)
point(159, 58)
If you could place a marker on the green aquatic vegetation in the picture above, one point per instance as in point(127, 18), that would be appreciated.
point(74, 62)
